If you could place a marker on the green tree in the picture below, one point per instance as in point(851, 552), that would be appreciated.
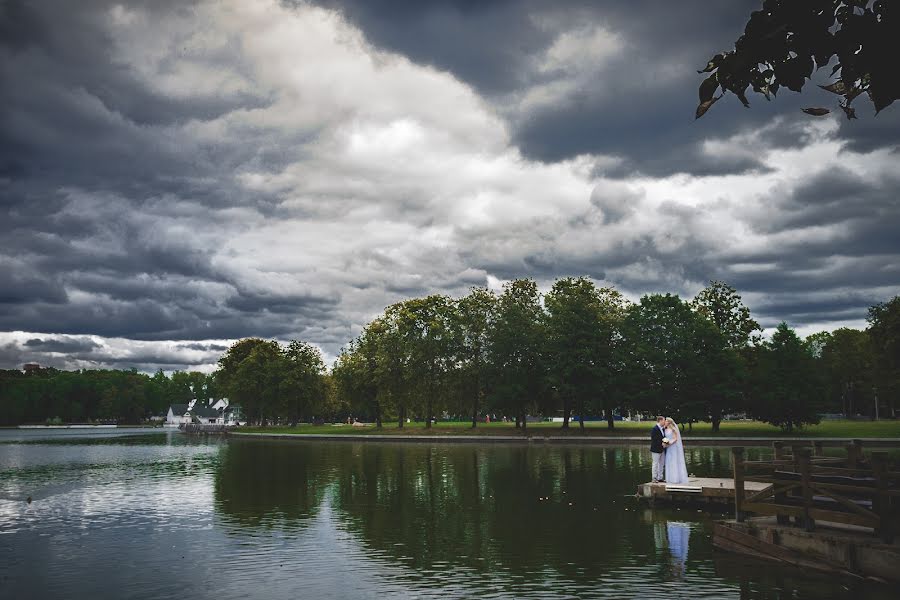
point(787, 40)
point(679, 361)
point(304, 385)
point(516, 344)
point(725, 367)
point(884, 331)
point(785, 377)
point(846, 359)
point(425, 330)
point(723, 306)
point(473, 318)
point(583, 339)
point(251, 373)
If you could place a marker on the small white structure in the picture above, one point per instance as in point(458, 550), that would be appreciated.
point(178, 414)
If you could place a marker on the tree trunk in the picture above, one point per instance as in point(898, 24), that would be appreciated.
point(524, 421)
point(581, 414)
point(610, 421)
point(517, 420)
point(475, 407)
point(716, 421)
point(401, 417)
point(377, 414)
point(566, 411)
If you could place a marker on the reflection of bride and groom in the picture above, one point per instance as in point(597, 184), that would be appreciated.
point(667, 452)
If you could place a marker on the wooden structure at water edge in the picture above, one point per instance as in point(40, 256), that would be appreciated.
point(712, 493)
point(832, 514)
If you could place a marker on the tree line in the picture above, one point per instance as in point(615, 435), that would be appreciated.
point(51, 396)
point(577, 352)
point(582, 351)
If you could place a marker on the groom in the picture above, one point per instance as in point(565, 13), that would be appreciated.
point(657, 450)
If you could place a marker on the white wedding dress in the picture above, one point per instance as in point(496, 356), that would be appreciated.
point(676, 468)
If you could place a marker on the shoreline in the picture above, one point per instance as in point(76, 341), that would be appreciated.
point(564, 439)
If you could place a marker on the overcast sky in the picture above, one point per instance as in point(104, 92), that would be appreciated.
point(177, 175)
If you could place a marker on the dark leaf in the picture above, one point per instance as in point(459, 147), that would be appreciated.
point(849, 111)
point(704, 106)
point(837, 87)
point(816, 112)
point(743, 98)
point(713, 63)
point(708, 88)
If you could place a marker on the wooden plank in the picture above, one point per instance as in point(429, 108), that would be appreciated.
point(770, 508)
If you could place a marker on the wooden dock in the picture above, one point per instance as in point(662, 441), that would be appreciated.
point(714, 492)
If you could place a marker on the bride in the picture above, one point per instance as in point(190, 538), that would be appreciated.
point(676, 469)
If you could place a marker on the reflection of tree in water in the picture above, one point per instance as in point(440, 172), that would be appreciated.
point(517, 510)
point(259, 483)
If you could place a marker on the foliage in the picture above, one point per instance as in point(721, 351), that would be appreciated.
point(680, 362)
point(274, 383)
point(85, 396)
point(884, 332)
point(785, 41)
point(786, 381)
point(584, 344)
point(516, 346)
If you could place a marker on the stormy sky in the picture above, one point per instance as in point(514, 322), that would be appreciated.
point(176, 175)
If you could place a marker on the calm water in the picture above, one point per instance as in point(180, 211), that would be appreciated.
point(169, 516)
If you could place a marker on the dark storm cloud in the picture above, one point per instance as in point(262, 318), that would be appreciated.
point(65, 345)
point(167, 178)
point(640, 102)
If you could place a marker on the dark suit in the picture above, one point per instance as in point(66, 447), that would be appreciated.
point(656, 438)
point(656, 453)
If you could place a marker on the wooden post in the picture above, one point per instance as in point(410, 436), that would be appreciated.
point(737, 460)
point(778, 448)
point(779, 498)
point(853, 454)
point(882, 500)
point(818, 449)
point(804, 463)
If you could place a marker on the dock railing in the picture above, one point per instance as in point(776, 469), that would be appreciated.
point(807, 486)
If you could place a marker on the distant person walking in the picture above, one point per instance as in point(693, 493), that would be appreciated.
point(676, 468)
point(657, 450)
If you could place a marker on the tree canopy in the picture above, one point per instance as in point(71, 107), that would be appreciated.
point(787, 40)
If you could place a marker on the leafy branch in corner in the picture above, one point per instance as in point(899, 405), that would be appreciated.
point(787, 40)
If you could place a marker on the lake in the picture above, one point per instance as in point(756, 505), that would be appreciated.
point(127, 514)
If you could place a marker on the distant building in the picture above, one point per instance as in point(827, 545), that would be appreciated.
point(218, 413)
point(31, 367)
point(178, 414)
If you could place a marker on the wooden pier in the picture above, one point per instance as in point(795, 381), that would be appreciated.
point(839, 515)
point(712, 492)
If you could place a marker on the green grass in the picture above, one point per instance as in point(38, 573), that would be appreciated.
point(837, 429)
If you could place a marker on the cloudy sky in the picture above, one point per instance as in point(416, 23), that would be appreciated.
point(177, 175)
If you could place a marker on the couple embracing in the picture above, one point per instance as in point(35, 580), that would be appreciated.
point(667, 452)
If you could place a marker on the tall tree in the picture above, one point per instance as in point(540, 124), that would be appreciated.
point(583, 337)
point(722, 306)
point(884, 330)
point(678, 359)
point(473, 319)
point(425, 328)
point(303, 379)
point(847, 370)
point(785, 376)
point(516, 344)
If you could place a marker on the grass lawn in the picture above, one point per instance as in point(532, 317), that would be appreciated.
point(841, 429)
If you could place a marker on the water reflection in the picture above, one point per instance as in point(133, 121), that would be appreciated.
point(193, 517)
